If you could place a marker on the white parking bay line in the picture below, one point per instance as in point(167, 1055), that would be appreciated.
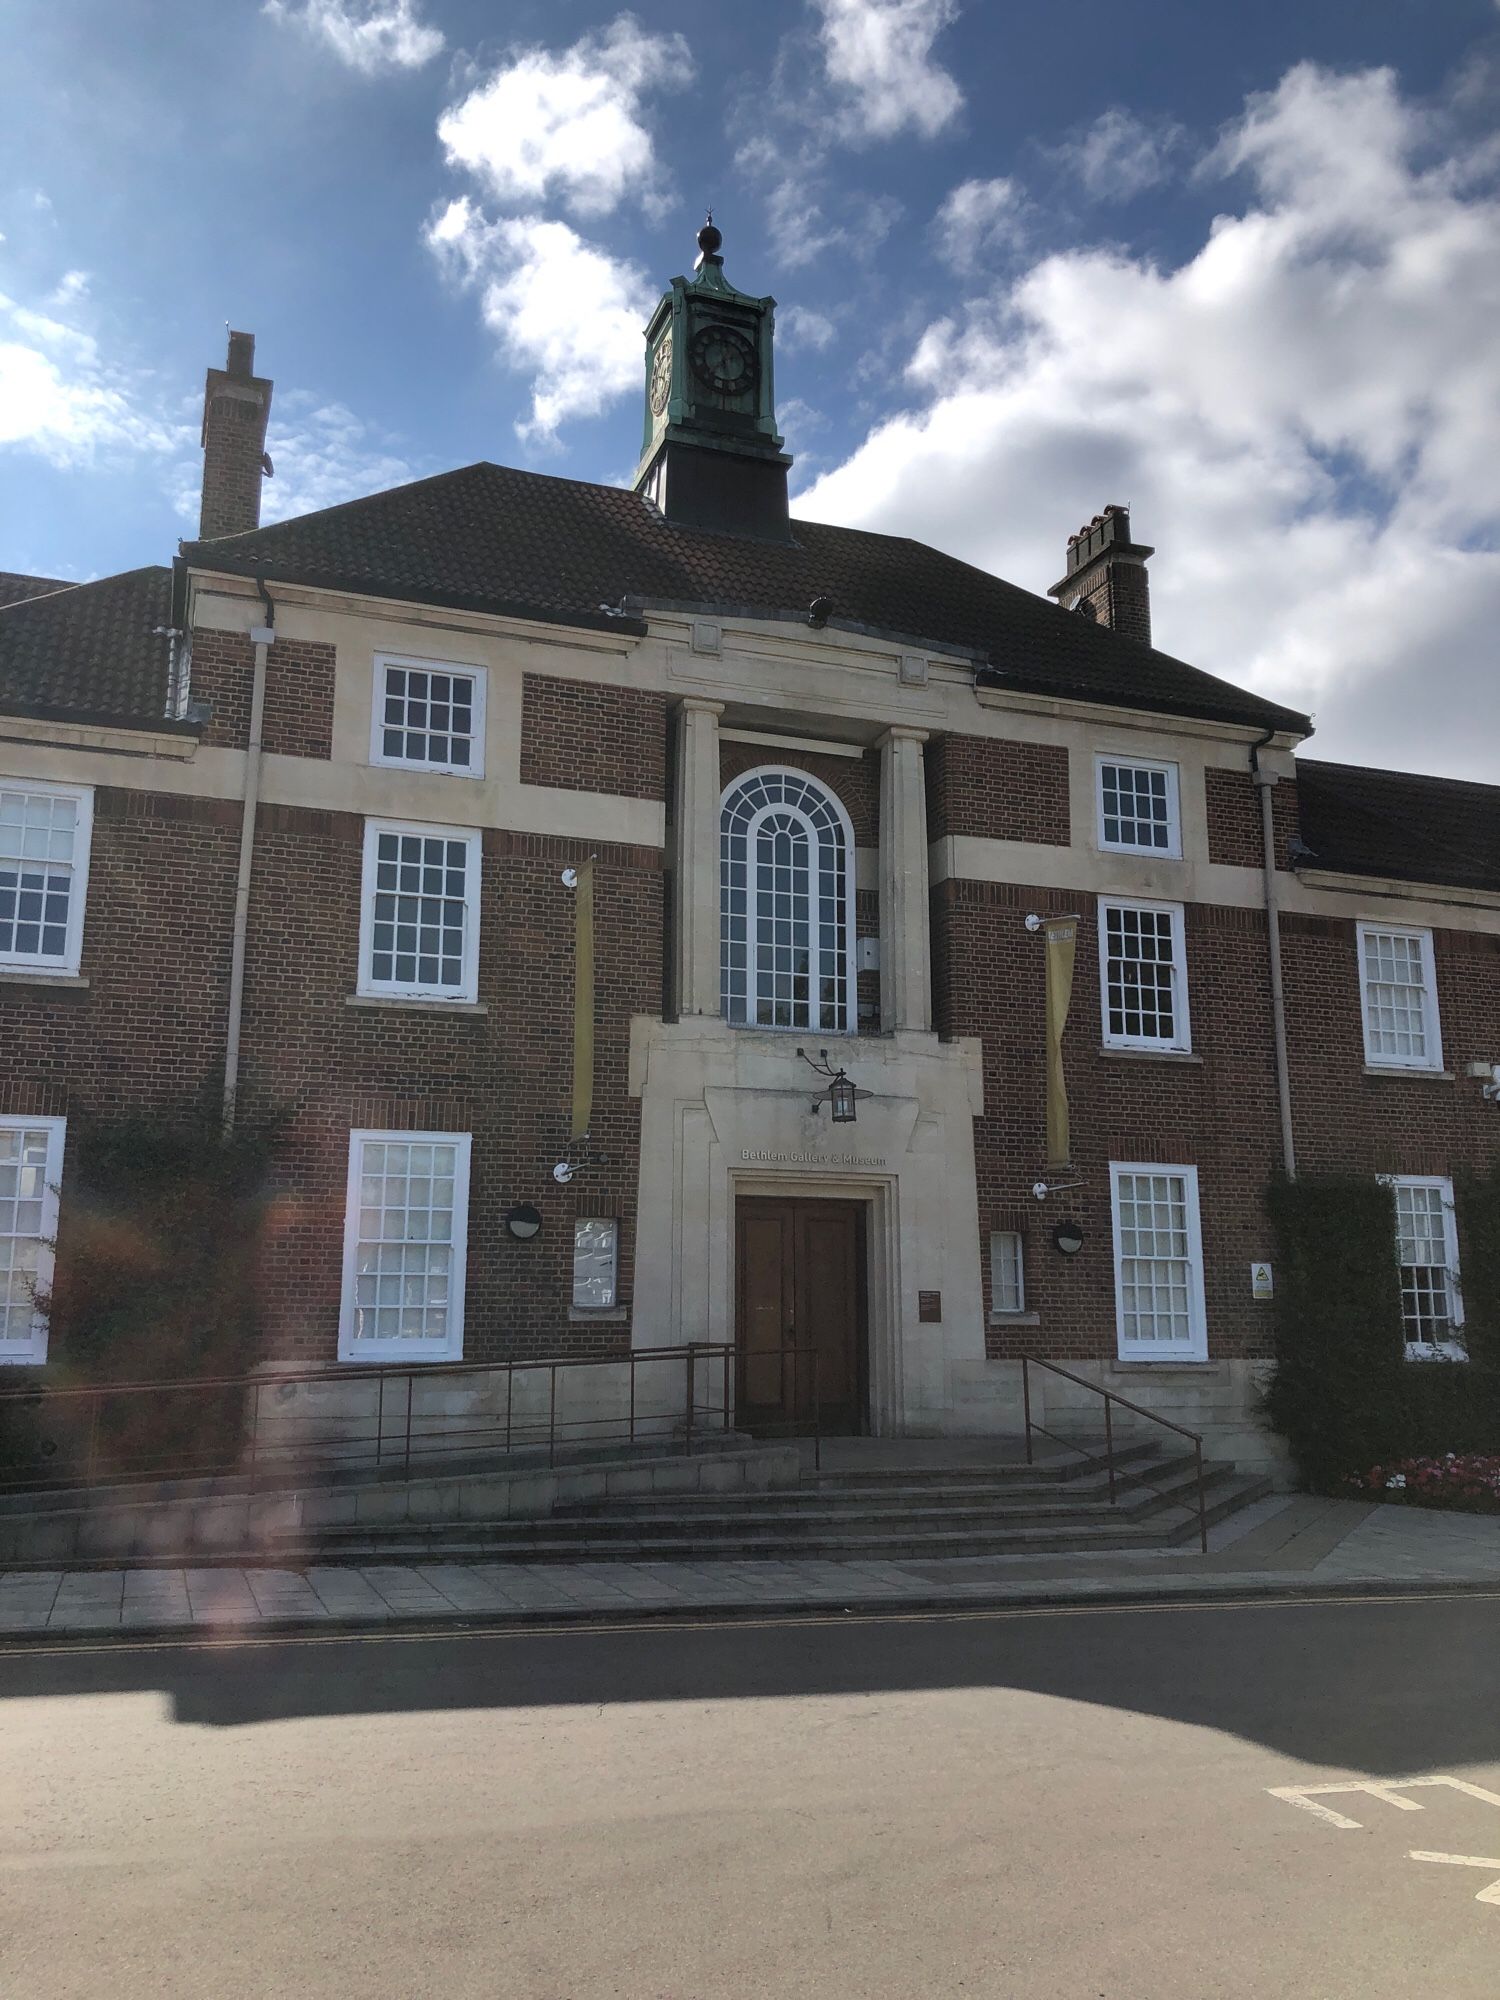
point(1489, 1895)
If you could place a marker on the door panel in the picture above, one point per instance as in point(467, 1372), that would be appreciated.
point(765, 1303)
point(800, 1287)
point(828, 1289)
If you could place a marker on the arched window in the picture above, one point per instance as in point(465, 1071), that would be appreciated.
point(786, 886)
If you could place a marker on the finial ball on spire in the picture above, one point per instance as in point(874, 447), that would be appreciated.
point(709, 238)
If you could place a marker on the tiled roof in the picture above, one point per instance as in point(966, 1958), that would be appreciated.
point(14, 586)
point(491, 538)
point(90, 649)
point(1398, 824)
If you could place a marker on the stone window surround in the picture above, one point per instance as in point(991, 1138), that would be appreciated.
point(1131, 760)
point(905, 953)
point(408, 662)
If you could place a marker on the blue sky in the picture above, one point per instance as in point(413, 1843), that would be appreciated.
point(1239, 267)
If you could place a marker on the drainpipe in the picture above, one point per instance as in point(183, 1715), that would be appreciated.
point(261, 637)
point(1265, 783)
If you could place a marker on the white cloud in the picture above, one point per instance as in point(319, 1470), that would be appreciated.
point(324, 454)
point(568, 125)
point(978, 218)
point(368, 35)
point(801, 326)
point(1120, 155)
point(72, 286)
point(61, 402)
point(808, 215)
point(878, 57)
point(1305, 415)
point(558, 307)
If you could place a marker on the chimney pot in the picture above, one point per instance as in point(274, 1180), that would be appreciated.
point(1106, 575)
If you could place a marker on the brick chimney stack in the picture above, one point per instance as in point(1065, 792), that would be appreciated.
point(236, 407)
point(1106, 577)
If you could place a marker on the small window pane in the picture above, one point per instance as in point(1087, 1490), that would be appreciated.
point(428, 718)
point(402, 1270)
point(784, 925)
point(1154, 1245)
point(1007, 1286)
point(595, 1247)
point(1424, 1255)
point(1398, 1005)
point(29, 1164)
point(1136, 807)
point(421, 914)
point(1142, 973)
point(38, 861)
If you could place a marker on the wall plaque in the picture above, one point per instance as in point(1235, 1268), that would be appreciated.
point(929, 1306)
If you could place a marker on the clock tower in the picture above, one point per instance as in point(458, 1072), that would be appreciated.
point(711, 456)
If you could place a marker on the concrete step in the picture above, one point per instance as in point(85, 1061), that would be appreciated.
point(1166, 1527)
point(980, 1470)
point(819, 1497)
point(1146, 1516)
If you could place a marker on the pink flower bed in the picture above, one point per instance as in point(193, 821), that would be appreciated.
point(1470, 1480)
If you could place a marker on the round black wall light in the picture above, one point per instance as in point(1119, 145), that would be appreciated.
point(1068, 1236)
point(523, 1221)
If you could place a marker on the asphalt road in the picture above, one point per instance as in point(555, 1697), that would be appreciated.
point(1070, 1804)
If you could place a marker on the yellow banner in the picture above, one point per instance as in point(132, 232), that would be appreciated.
point(583, 1001)
point(1062, 939)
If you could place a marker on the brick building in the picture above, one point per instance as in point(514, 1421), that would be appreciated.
point(300, 818)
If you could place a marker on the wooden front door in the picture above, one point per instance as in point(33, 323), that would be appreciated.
point(800, 1309)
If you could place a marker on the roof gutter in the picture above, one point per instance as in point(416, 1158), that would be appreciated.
point(261, 638)
point(1265, 783)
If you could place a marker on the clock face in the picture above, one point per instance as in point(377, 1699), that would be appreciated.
point(660, 386)
point(724, 360)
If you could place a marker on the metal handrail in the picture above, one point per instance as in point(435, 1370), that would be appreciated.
point(1195, 1438)
point(344, 1444)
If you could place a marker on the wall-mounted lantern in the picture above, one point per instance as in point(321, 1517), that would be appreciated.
point(841, 1097)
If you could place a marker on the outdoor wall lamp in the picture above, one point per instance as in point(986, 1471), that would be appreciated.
point(841, 1096)
point(523, 1221)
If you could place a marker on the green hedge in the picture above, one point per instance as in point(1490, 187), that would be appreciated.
point(1342, 1392)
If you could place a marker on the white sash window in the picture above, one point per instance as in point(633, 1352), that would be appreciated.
point(1158, 1263)
point(405, 1243)
point(44, 862)
point(787, 904)
point(31, 1155)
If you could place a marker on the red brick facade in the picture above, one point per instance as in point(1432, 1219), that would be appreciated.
point(298, 719)
point(148, 1027)
point(505, 1076)
point(995, 789)
point(1234, 828)
point(587, 738)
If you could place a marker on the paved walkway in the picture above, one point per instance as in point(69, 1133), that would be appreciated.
point(1281, 1544)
